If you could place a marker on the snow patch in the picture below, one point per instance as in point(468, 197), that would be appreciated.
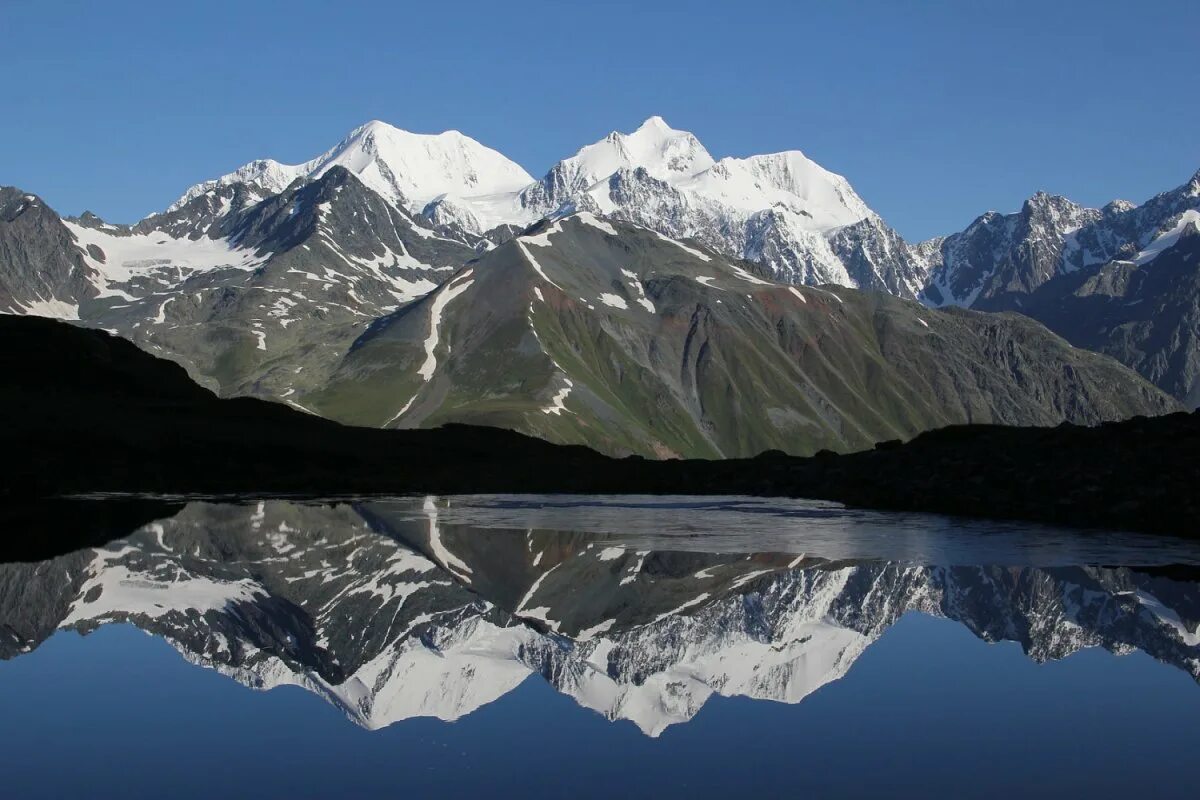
point(542, 239)
point(156, 253)
point(746, 276)
point(161, 316)
point(595, 222)
point(440, 552)
point(52, 309)
point(533, 262)
point(116, 592)
point(1167, 239)
point(443, 297)
point(409, 170)
point(440, 301)
point(614, 301)
point(635, 284)
point(695, 601)
point(690, 250)
point(558, 402)
point(590, 633)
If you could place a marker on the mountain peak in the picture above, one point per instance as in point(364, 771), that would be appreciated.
point(658, 175)
point(1118, 205)
point(373, 125)
point(1194, 184)
point(1044, 198)
point(408, 169)
point(376, 127)
point(656, 133)
point(656, 123)
point(1056, 210)
point(665, 153)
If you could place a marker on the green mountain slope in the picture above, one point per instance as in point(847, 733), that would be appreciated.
point(610, 335)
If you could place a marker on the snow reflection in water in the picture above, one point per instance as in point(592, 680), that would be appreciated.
point(637, 608)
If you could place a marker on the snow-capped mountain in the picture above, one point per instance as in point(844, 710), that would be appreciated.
point(801, 223)
point(1118, 279)
point(348, 286)
point(1007, 252)
point(388, 612)
point(665, 153)
point(780, 210)
point(409, 170)
point(999, 256)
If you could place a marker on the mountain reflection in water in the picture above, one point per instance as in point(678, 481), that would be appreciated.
point(392, 609)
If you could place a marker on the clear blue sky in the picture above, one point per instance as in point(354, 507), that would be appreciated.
point(935, 111)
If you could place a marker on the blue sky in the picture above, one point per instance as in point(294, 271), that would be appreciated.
point(935, 111)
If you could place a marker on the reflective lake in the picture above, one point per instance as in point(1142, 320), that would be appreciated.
point(597, 647)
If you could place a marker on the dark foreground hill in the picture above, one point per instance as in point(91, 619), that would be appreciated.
point(88, 412)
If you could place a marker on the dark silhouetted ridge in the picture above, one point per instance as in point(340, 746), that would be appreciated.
point(90, 412)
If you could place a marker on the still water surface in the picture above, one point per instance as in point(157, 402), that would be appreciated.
point(598, 647)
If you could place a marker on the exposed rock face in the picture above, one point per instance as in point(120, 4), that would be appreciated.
point(1119, 280)
point(41, 271)
point(1001, 253)
point(1145, 315)
point(253, 295)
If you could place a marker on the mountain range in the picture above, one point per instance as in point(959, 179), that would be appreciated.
point(1120, 280)
point(388, 610)
point(641, 297)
